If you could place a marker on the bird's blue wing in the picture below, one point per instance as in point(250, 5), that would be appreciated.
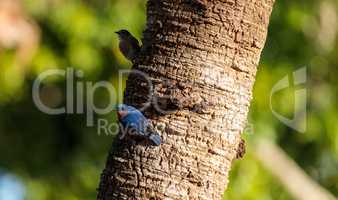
point(137, 124)
point(136, 121)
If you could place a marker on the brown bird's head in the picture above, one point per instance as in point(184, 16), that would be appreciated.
point(123, 33)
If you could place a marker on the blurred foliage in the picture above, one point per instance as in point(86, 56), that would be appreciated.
point(58, 157)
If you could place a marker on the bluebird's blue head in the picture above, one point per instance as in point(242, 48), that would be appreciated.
point(123, 110)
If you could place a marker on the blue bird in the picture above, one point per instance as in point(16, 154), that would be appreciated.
point(135, 123)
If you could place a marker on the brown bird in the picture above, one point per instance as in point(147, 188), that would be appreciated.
point(129, 45)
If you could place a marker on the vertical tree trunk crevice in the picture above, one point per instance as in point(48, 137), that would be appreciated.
point(201, 58)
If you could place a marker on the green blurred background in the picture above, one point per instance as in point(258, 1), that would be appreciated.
point(58, 157)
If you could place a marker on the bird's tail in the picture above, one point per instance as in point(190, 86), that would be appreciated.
point(155, 139)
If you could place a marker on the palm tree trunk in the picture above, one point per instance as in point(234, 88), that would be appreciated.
point(201, 58)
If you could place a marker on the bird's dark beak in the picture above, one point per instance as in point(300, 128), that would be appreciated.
point(117, 32)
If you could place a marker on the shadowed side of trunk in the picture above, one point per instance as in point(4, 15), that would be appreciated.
point(201, 58)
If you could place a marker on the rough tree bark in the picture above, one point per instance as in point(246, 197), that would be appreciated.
point(201, 57)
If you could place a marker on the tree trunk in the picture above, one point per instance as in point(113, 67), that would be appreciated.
point(201, 58)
